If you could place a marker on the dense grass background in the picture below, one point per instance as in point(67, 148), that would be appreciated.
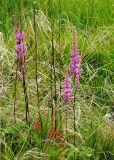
point(93, 21)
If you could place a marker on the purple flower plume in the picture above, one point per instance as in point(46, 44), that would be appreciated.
point(75, 62)
point(18, 35)
point(20, 47)
point(66, 93)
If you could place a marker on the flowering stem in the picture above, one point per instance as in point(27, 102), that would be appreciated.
point(60, 60)
point(22, 64)
point(74, 118)
point(15, 93)
point(60, 43)
point(54, 74)
point(25, 93)
point(36, 51)
point(66, 119)
point(53, 70)
point(51, 61)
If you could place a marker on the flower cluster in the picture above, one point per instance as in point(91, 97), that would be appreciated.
point(66, 95)
point(20, 47)
point(75, 62)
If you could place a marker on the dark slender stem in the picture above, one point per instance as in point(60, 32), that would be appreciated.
point(25, 94)
point(54, 73)
point(60, 120)
point(55, 97)
point(60, 44)
point(66, 119)
point(51, 61)
point(26, 99)
point(36, 52)
point(74, 118)
point(15, 93)
point(52, 112)
point(60, 60)
point(52, 109)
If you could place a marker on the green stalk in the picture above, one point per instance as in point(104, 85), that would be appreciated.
point(36, 51)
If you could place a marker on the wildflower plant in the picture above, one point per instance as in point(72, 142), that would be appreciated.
point(75, 72)
point(75, 62)
point(20, 49)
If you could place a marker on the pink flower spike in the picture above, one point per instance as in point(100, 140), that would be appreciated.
point(75, 62)
point(66, 94)
point(18, 35)
point(20, 47)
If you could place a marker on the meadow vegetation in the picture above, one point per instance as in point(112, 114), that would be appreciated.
point(49, 131)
